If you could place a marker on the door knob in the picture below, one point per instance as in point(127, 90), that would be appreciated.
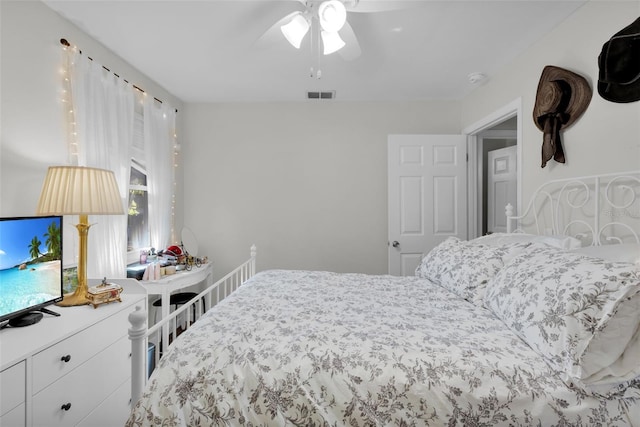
point(395, 244)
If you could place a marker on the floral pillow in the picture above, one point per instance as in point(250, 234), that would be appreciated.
point(436, 259)
point(464, 267)
point(582, 314)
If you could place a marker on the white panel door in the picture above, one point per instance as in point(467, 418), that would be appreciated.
point(427, 196)
point(502, 187)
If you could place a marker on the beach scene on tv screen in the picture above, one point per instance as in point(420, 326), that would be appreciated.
point(30, 262)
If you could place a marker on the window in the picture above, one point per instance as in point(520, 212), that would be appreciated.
point(137, 213)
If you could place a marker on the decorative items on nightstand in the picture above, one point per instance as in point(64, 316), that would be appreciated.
point(104, 293)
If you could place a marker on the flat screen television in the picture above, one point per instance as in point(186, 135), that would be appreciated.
point(30, 268)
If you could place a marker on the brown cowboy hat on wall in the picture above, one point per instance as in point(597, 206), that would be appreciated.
point(562, 97)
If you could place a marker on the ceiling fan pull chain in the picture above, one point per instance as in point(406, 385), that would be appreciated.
point(318, 57)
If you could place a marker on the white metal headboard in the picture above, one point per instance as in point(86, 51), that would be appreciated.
point(597, 209)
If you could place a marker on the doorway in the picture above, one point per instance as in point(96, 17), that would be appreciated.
point(497, 170)
point(499, 130)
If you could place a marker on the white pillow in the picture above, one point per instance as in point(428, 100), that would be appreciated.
point(623, 252)
point(581, 314)
point(498, 239)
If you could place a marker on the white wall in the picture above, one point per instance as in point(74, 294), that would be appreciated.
point(33, 132)
point(306, 182)
point(607, 137)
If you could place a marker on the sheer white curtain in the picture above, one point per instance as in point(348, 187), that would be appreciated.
point(104, 111)
point(159, 131)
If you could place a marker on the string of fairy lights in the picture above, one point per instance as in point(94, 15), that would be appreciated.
point(67, 102)
point(69, 53)
point(176, 164)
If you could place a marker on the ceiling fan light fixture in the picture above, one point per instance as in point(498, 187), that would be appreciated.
point(296, 29)
point(332, 15)
point(331, 42)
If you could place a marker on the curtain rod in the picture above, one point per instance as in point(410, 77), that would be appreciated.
point(64, 42)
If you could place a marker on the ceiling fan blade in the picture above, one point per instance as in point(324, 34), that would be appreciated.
point(351, 50)
point(369, 6)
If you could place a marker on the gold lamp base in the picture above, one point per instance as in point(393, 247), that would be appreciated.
point(79, 297)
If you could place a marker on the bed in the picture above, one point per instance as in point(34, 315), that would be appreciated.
point(509, 329)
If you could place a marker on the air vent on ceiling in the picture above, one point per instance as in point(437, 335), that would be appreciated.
point(321, 95)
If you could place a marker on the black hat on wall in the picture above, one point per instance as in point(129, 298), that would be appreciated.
point(619, 63)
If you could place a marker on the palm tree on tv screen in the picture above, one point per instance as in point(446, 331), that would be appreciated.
point(53, 240)
point(34, 247)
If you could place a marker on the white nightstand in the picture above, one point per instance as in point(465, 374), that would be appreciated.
point(169, 284)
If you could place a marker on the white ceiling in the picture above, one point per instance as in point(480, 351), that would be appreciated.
point(216, 51)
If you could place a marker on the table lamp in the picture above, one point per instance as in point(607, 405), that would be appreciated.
point(83, 191)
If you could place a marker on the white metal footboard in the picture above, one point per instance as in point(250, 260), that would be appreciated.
point(140, 335)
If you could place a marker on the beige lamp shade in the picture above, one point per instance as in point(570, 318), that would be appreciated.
point(76, 190)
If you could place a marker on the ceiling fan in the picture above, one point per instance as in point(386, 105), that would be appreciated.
point(329, 18)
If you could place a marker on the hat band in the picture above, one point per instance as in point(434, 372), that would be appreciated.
point(551, 141)
point(615, 82)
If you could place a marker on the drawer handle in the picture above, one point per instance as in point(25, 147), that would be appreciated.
point(66, 406)
point(66, 358)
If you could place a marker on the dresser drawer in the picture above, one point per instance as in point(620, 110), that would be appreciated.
point(114, 411)
point(60, 359)
point(84, 388)
point(16, 417)
point(12, 387)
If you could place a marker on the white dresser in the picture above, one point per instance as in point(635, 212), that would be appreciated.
point(70, 370)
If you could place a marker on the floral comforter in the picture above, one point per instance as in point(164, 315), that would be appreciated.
point(323, 349)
